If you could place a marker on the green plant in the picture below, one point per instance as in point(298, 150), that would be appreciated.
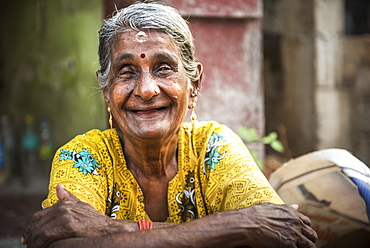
point(250, 136)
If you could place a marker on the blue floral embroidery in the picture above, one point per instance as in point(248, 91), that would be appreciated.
point(212, 155)
point(84, 161)
point(65, 154)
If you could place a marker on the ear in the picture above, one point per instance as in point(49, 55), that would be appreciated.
point(199, 75)
point(105, 94)
point(104, 89)
point(196, 85)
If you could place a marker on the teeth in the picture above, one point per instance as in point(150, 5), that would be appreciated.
point(160, 108)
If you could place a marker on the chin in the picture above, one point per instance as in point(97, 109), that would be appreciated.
point(154, 130)
point(158, 126)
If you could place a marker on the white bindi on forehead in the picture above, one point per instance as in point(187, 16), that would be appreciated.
point(141, 37)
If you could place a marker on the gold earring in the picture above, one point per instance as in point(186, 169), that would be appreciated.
point(110, 121)
point(193, 116)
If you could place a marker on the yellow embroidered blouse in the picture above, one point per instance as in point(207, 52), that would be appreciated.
point(215, 173)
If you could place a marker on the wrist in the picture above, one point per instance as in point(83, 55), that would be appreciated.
point(123, 226)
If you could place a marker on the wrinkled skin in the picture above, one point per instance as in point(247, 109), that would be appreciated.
point(69, 218)
point(263, 225)
point(281, 226)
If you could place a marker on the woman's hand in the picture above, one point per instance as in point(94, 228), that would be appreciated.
point(264, 225)
point(70, 218)
point(270, 225)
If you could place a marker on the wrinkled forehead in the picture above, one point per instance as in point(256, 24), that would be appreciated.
point(150, 37)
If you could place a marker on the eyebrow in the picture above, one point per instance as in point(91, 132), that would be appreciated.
point(163, 56)
point(125, 56)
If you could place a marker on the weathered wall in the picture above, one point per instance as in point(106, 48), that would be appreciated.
point(299, 72)
point(289, 73)
point(332, 96)
point(48, 50)
point(356, 75)
point(316, 77)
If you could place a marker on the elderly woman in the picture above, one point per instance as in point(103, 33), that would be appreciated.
point(133, 184)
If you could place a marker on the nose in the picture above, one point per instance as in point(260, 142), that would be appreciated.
point(146, 87)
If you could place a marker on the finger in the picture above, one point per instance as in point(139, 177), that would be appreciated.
point(64, 195)
point(304, 242)
point(305, 219)
point(306, 238)
point(310, 233)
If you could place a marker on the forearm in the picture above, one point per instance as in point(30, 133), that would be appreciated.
point(74, 219)
point(257, 226)
point(124, 226)
point(206, 232)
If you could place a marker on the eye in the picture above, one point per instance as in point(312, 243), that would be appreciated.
point(126, 72)
point(164, 70)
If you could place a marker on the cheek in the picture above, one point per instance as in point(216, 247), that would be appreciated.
point(119, 93)
point(179, 93)
point(179, 87)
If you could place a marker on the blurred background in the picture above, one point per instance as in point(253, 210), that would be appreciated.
point(298, 68)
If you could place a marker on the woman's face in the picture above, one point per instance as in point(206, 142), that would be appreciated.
point(148, 91)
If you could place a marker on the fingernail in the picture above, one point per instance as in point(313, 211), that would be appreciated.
point(62, 186)
point(295, 206)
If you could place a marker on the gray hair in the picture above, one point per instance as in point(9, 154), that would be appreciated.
point(141, 16)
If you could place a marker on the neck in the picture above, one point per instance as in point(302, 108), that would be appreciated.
point(151, 160)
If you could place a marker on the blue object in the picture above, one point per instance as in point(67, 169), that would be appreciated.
point(364, 190)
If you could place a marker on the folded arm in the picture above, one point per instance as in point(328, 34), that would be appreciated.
point(72, 223)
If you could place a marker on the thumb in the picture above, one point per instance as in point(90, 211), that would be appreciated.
point(64, 195)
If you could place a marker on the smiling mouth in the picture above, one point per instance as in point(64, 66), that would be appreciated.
point(148, 111)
